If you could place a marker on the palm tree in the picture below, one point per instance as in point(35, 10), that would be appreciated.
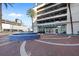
point(32, 14)
point(6, 5)
point(70, 18)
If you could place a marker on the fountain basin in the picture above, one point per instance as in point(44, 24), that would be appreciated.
point(23, 36)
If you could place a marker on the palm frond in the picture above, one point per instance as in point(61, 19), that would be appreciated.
point(6, 4)
point(31, 13)
point(11, 4)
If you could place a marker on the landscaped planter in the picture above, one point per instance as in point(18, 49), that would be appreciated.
point(23, 36)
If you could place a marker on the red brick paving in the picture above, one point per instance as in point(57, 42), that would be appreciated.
point(1, 36)
point(42, 49)
point(50, 38)
point(46, 36)
point(12, 49)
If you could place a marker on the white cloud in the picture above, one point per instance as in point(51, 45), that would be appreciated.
point(15, 15)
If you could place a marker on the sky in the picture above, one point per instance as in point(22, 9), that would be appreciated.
point(19, 11)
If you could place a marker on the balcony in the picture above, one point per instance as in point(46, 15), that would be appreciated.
point(64, 18)
point(52, 11)
point(64, 11)
point(52, 8)
point(47, 5)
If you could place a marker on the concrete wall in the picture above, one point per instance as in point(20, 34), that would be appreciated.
point(6, 26)
point(76, 28)
point(24, 28)
point(75, 17)
point(75, 11)
point(35, 29)
point(16, 27)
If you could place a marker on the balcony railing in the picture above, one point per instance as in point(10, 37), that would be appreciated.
point(64, 18)
point(53, 8)
point(64, 11)
point(52, 11)
point(47, 5)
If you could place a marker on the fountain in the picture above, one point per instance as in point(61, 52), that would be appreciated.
point(23, 36)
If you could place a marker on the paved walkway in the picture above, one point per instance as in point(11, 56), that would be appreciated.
point(53, 47)
point(41, 47)
point(44, 49)
point(9, 48)
point(59, 44)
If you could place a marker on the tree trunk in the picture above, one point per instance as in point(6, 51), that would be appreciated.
point(70, 18)
point(32, 25)
point(0, 17)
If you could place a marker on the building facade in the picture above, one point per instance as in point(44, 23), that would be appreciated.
point(54, 18)
point(12, 26)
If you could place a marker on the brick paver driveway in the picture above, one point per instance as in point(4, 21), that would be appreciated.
point(47, 45)
point(9, 48)
point(37, 48)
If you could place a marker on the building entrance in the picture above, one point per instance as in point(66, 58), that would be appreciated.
point(56, 29)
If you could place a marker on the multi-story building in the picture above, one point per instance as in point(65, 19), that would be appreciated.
point(12, 26)
point(55, 18)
